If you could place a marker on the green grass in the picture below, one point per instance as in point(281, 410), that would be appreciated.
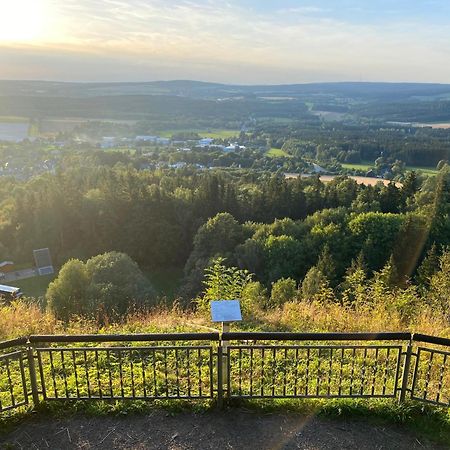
point(277, 153)
point(362, 166)
point(367, 166)
point(425, 170)
point(213, 133)
point(34, 287)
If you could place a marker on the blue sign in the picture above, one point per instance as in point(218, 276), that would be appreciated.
point(226, 311)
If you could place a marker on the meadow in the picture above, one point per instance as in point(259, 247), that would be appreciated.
point(277, 153)
point(34, 287)
point(368, 166)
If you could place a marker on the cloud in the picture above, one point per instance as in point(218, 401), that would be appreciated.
point(219, 41)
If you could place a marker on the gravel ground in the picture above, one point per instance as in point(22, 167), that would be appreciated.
point(232, 429)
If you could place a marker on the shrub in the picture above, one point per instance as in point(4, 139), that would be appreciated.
point(106, 287)
point(283, 290)
point(222, 283)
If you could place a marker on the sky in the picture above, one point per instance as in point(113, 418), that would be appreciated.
point(242, 42)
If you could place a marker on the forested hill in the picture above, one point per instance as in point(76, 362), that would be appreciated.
point(198, 89)
point(194, 99)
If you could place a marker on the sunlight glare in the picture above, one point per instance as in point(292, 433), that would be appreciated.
point(22, 20)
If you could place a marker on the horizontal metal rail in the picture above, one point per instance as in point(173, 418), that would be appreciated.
point(13, 343)
point(282, 336)
point(154, 337)
point(416, 337)
point(224, 365)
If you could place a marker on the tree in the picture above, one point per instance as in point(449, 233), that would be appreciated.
point(375, 234)
point(354, 287)
point(327, 266)
point(283, 290)
point(67, 294)
point(439, 293)
point(253, 298)
point(116, 284)
point(106, 287)
point(222, 283)
point(284, 257)
point(428, 267)
point(315, 286)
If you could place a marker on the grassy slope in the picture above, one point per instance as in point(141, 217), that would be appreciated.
point(34, 287)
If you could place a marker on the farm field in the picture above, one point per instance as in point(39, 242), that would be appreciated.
point(214, 134)
point(441, 125)
point(362, 166)
point(367, 166)
point(368, 181)
point(277, 153)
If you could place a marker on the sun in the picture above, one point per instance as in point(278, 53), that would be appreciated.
point(22, 20)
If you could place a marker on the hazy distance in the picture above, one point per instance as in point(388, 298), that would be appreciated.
point(247, 42)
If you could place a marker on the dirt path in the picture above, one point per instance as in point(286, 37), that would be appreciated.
point(234, 429)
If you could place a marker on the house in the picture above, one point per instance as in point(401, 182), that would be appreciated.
point(108, 142)
point(146, 138)
point(205, 142)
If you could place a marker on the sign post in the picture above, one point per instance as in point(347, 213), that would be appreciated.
point(225, 312)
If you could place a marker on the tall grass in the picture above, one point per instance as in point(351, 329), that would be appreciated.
point(23, 317)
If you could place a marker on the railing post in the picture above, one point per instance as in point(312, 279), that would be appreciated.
point(220, 375)
point(33, 378)
point(405, 374)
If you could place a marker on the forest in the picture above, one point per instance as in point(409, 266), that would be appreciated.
point(271, 226)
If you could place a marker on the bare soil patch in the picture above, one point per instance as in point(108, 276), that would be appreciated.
point(232, 429)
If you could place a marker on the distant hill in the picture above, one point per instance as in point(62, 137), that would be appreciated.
point(392, 91)
point(379, 101)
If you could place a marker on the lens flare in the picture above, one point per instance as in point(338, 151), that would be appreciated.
point(22, 20)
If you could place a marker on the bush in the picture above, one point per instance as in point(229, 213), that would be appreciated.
point(253, 298)
point(222, 283)
point(283, 291)
point(67, 294)
point(107, 286)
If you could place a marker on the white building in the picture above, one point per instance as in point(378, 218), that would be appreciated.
point(205, 142)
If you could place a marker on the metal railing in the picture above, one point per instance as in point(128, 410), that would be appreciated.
point(213, 366)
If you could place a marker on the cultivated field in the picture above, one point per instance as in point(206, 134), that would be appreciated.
point(442, 125)
point(368, 181)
